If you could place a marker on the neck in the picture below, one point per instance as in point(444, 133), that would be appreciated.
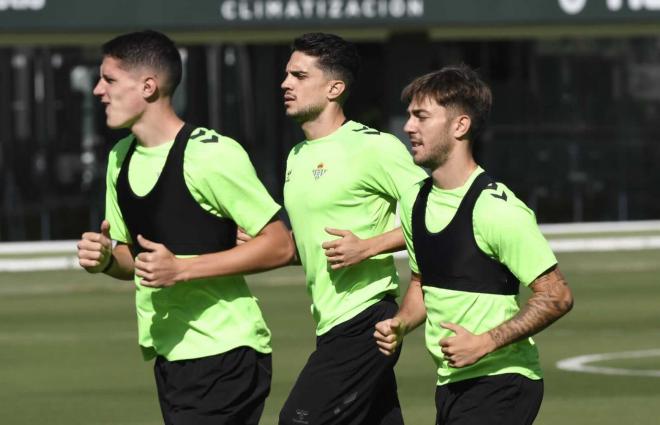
point(455, 171)
point(158, 124)
point(327, 122)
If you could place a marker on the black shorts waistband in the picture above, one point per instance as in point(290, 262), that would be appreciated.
point(365, 321)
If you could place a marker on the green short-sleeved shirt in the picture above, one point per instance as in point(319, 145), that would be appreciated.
point(202, 317)
point(506, 230)
point(350, 179)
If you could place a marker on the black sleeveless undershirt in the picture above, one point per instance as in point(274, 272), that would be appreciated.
point(169, 214)
point(451, 258)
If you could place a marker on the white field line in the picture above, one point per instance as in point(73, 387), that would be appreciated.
point(69, 246)
point(626, 243)
point(52, 247)
point(36, 338)
point(39, 264)
point(581, 363)
point(623, 243)
point(591, 244)
point(16, 289)
point(601, 227)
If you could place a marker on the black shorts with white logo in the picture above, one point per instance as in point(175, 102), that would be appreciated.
point(347, 380)
point(225, 389)
point(508, 399)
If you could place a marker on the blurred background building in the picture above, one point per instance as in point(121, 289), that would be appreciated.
point(574, 129)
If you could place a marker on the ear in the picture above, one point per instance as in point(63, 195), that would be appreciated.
point(149, 86)
point(461, 126)
point(336, 89)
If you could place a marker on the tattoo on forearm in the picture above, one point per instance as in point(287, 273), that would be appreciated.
point(548, 303)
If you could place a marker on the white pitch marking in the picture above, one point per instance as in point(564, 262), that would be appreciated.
point(630, 243)
point(41, 337)
point(39, 264)
point(581, 363)
point(54, 247)
point(600, 227)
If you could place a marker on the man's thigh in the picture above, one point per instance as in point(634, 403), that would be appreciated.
point(347, 380)
point(226, 389)
point(509, 399)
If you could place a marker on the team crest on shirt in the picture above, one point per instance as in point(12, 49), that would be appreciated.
point(319, 171)
point(288, 176)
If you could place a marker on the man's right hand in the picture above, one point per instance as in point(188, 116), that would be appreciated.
point(242, 236)
point(95, 249)
point(389, 335)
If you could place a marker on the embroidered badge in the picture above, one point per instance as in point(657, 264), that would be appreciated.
point(319, 171)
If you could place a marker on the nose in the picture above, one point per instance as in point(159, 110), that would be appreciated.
point(286, 82)
point(409, 128)
point(98, 89)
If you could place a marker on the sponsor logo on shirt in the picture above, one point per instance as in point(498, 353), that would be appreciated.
point(319, 171)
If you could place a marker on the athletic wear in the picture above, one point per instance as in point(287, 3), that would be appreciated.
point(351, 180)
point(509, 399)
point(225, 389)
point(197, 231)
point(505, 230)
point(347, 380)
point(451, 259)
point(203, 317)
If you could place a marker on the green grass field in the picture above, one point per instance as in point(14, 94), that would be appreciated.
point(68, 352)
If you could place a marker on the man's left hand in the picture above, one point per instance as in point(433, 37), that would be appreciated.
point(345, 251)
point(464, 348)
point(156, 266)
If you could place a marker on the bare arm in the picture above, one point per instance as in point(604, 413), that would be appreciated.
point(295, 260)
point(412, 312)
point(390, 332)
point(122, 266)
point(272, 247)
point(242, 237)
point(349, 249)
point(552, 298)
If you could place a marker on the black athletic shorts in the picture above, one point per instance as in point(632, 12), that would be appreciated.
point(347, 381)
point(225, 389)
point(509, 399)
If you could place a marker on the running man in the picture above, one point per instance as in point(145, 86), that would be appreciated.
point(341, 190)
point(471, 244)
point(175, 195)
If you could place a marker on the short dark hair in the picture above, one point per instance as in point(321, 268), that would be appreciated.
point(148, 48)
point(335, 55)
point(456, 87)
